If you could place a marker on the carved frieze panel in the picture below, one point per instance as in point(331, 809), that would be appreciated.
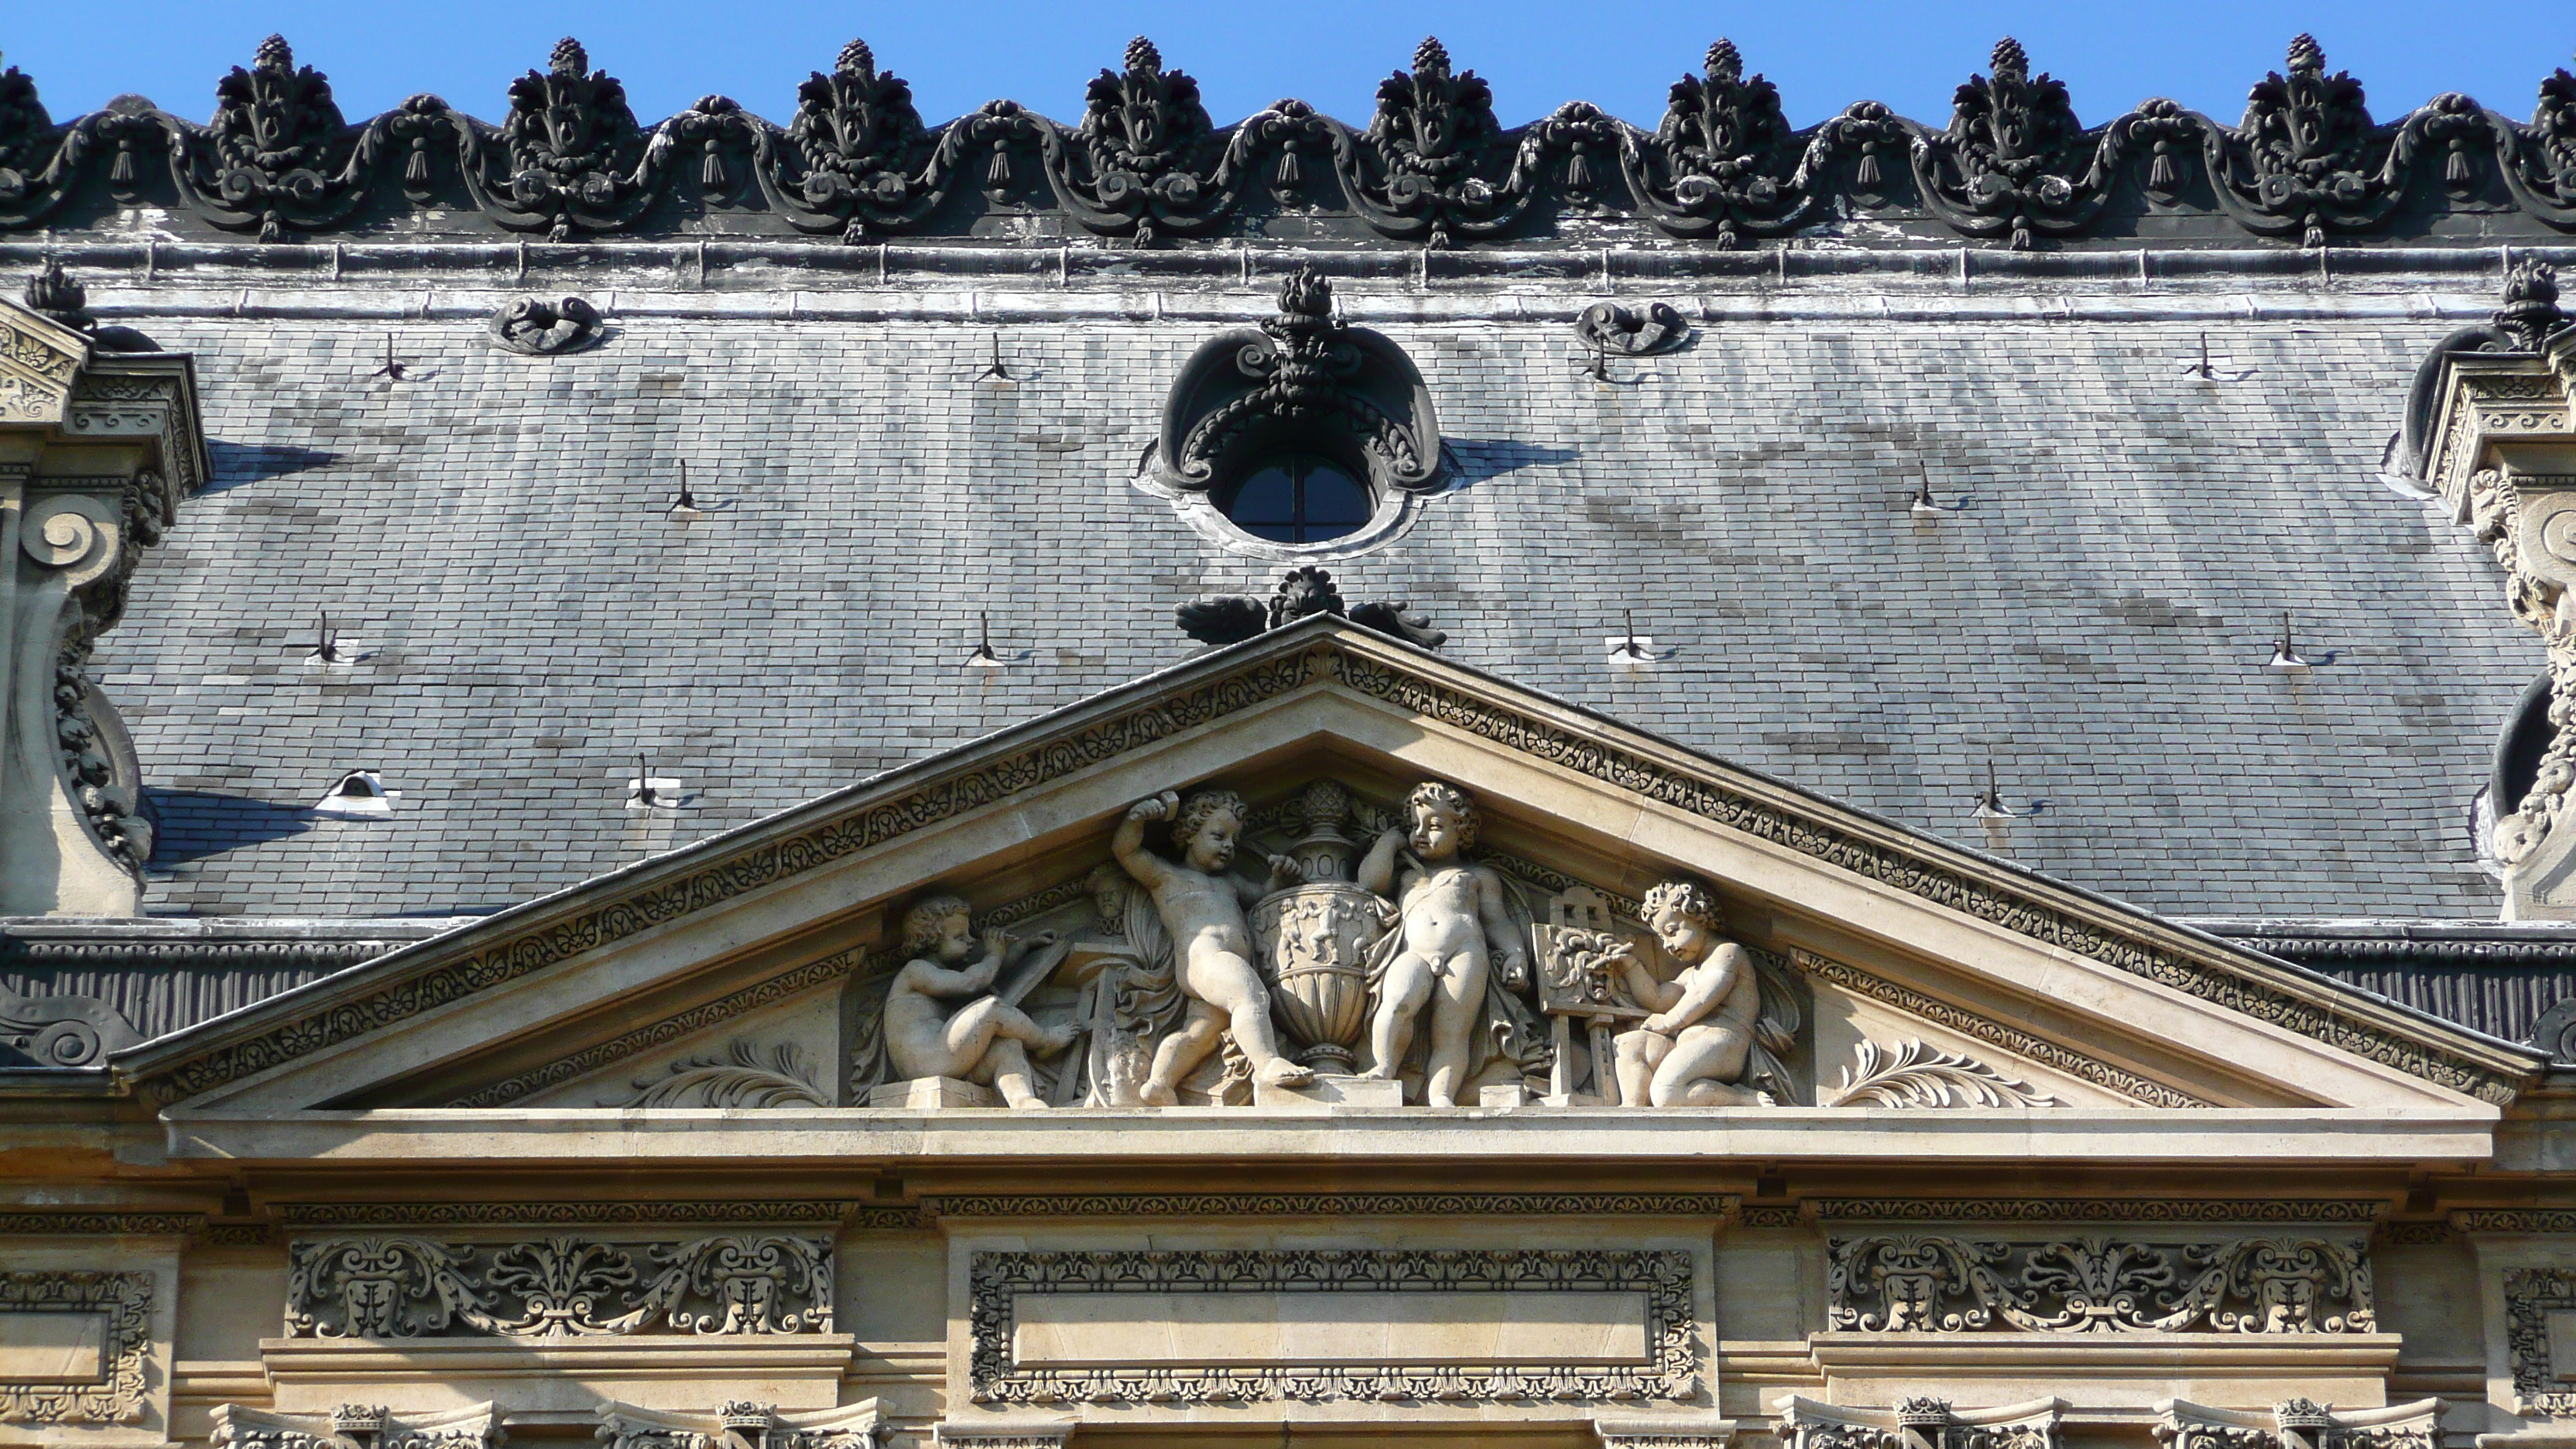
point(2540, 1334)
point(1629, 1319)
point(1936, 1283)
point(97, 1324)
point(398, 1286)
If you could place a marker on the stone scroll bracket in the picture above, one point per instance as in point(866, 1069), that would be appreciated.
point(2499, 450)
point(98, 443)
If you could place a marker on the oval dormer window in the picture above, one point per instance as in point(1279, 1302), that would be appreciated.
point(1298, 498)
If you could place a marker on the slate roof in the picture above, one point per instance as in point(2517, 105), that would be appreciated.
point(490, 534)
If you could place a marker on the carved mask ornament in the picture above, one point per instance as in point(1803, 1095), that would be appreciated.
point(859, 144)
point(1721, 164)
point(1305, 379)
point(2014, 160)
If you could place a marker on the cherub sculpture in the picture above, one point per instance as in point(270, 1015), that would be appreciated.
point(1455, 929)
point(1693, 1051)
point(987, 1042)
point(1201, 902)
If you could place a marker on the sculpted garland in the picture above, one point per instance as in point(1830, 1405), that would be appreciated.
point(1431, 165)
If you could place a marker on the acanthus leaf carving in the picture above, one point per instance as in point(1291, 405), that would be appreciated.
point(569, 158)
point(2014, 162)
point(854, 154)
point(358, 1426)
point(277, 154)
point(1417, 172)
point(1924, 1282)
point(1144, 159)
point(741, 1077)
point(2306, 159)
point(1913, 1074)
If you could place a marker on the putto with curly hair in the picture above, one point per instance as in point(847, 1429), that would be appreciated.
point(1202, 807)
point(1454, 800)
point(921, 923)
point(1695, 902)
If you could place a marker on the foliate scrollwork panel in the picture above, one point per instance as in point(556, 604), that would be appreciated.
point(119, 1394)
point(1931, 1283)
point(396, 1286)
point(2532, 1296)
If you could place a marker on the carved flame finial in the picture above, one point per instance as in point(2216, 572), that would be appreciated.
point(2306, 54)
point(1431, 57)
point(1141, 55)
point(53, 293)
point(1306, 293)
point(274, 54)
point(1725, 63)
point(856, 59)
point(2530, 311)
point(2010, 60)
point(569, 59)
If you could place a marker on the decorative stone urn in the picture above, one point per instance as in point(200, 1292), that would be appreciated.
point(1315, 938)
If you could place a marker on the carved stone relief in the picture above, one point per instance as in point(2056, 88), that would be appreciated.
point(1932, 1283)
point(1921, 1423)
point(121, 1303)
point(739, 1422)
point(402, 1286)
point(1912, 1074)
point(358, 1426)
point(1223, 619)
point(1666, 1365)
point(2532, 1297)
point(534, 327)
point(2299, 1424)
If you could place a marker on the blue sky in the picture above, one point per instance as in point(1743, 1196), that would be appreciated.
point(960, 53)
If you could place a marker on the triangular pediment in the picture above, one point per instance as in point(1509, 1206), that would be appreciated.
point(750, 971)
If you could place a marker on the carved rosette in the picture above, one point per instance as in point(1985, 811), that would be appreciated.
point(2014, 162)
point(853, 155)
point(1417, 172)
point(1316, 940)
point(1723, 164)
point(570, 157)
point(2306, 159)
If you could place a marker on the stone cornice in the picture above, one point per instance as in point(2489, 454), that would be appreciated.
point(1320, 652)
point(1349, 1204)
point(2130, 1212)
point(665, 1213)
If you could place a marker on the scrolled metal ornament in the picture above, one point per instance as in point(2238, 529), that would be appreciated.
point(2539, 160)
point(38, 159)
point(1284, 134)
point(570, 157)
point(278, 153)
point(1723, 164)
point(713, 130)
point(2015, 162)
point(2167, 136)
point(1640, 331)
point(852, 159)
point(1140, 162)
point(2306, 159)
point(1417, 172)
point(533, 327)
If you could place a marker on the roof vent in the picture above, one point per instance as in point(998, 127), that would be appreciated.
point(360, 795)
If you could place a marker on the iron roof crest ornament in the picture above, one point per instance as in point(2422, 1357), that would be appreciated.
point(39, 161)
point(854, 152)
point(1306, 380)
point(1137, 163)
point(1223, 619)
point(1724, 163)
point(2307, 158)
point(277, 153)
point(1433, 132)
point(2015, 162)
point(2540, 161)
point(570, 157)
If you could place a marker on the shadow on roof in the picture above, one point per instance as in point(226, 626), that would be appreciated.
point(193, 824)
point(238, 463)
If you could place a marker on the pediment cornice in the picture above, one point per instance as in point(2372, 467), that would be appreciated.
point(1319, 654)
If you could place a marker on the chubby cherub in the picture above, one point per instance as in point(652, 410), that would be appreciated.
point(1692, 1052)
point(988, 1042)
point(1455, 931)
point(1201, 902)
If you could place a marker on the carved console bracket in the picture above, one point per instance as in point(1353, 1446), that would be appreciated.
point(404, 1287)
point(2297, 1424)
point(1921, 1423)
point(2495, 437)
point(98, 443)
point(358, 1426)
point(760, 1426)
